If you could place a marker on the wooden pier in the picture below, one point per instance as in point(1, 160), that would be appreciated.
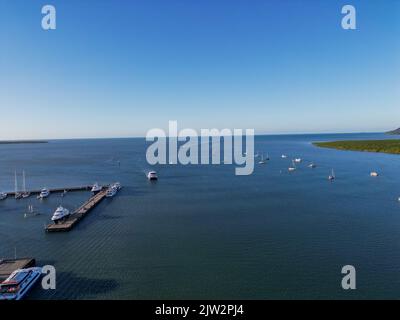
point(78, 214)
point(55, 190)
point(8, 266)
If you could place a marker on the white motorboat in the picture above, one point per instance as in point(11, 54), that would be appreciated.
point(312, 165)
point(18, 284)
point(44, 193)
point(374, 174)
point(152, 175)
point(111, 192)
point(113, 189)
point(284, 156)
point(298, 160)
point(96, 188)
point(60, 214)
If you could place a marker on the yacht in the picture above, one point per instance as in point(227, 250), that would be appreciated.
point(111, 192)
point(117, 185)
point(113, 189)
point(44, 193)
point(374, 174)
point(17, 285)
point(59, 214)
point(293, 167)
point(332, 176)
point(25, 194)
point(152, 175)
point(96, 188)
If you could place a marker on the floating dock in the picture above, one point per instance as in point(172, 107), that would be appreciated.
point(78, 214)
point(54, 190)
point(8, 266)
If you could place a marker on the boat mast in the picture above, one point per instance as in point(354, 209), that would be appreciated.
point(15, 182)
point(23, 181)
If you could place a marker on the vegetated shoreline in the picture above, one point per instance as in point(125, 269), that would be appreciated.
point(22, 141)
point(391, 146)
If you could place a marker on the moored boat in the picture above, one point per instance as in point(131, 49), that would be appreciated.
point(60, 214)
point(44, 193)
point(152, 175)
point(18, 284)
point(96, 188)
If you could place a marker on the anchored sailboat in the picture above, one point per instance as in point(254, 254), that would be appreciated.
point(332, 176)
point(293, 167)
point(25, 194)
point(17, 194)
point(262, 161)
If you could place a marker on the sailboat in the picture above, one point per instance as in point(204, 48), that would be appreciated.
point(293, 167)
point(3, 195)
point(31, 212)
point(17, 194)
point(332, 176)
point(262, 161)
point(25, 194)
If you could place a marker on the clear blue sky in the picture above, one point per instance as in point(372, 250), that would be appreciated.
point(118, 68)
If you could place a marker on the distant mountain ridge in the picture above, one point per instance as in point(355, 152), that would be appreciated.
point(397, 131)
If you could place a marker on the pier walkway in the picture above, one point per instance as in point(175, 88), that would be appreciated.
point(78, 214)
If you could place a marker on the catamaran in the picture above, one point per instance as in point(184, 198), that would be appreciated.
point(17, 285)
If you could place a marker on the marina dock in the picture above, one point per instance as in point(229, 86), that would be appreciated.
point(55, 190)
point(78, 214)
point(8, 266)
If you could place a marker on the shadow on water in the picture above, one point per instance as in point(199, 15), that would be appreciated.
point(84, 288)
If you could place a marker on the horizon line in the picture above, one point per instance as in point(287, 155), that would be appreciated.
point(144, 137)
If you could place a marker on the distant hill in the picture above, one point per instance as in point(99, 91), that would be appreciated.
point(21, 141)
point(397, 131)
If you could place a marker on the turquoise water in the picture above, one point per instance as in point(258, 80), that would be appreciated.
point(201, 231)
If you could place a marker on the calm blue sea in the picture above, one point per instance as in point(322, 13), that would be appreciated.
point(201, 231)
